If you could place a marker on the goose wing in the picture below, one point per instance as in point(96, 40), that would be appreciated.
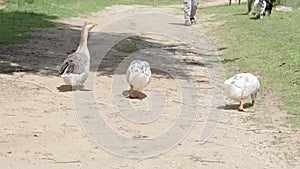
point(247, 82)
point(133, 70)
point(146, 70)
point(74, 63)
point(138, 67)
point(252, 83)
point(239, 81)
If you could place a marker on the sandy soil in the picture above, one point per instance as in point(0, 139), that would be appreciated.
point(41, 125)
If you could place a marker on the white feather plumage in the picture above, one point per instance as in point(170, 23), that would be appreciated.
point(241, 86)
point(138, 75)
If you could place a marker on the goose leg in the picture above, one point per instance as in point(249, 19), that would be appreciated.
point(83, 88)
point(241, 107)
point(253, 101)
point(253, 96)
point(131, 96)
point(130, 92)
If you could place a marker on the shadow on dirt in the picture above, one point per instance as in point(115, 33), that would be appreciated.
point(48, 45)
point(140, 95)
point(45, 52)
point(234, 106)
point(126, 48)
point(16, 27)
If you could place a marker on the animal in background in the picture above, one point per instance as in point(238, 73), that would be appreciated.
point(269, 6)
point(250, 3)
point(259, 6)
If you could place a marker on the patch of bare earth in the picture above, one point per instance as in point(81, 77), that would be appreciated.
point(39, 126)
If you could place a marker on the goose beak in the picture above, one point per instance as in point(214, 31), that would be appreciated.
point(94, 23)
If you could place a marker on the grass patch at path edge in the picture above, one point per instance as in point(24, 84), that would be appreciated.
point(268, 48)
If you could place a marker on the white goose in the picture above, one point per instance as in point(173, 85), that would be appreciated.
point(76, 66)
point(138, 76)
point(241, 86)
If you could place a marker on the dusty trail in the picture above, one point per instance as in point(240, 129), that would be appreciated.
point(41, 129)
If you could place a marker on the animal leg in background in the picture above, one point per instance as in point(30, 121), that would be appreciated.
point(131, 96)
point(190, 8)
point(241, 107)
point(130, 92)
point(269, 6)
point(187, 12)
point(250, 3)
point(260, 6)
point(194, 7)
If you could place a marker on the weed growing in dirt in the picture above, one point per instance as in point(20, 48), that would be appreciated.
point(277, 140)
point(129, 49)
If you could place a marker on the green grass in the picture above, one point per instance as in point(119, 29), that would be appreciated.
point(291, 3)
point(290, 158)
point(268, 48)
point(277, 140)
point(21, 16)
point(68, 8)
point(129, 49)
point(14, 27)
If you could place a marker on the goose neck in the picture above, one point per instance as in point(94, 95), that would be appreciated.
point(83, 39)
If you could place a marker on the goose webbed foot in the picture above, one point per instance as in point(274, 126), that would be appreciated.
point(83, 88)
point(134, 97)
point(131, 96)
point(241, 107)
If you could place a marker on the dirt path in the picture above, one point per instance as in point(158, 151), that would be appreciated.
point(181, 123)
